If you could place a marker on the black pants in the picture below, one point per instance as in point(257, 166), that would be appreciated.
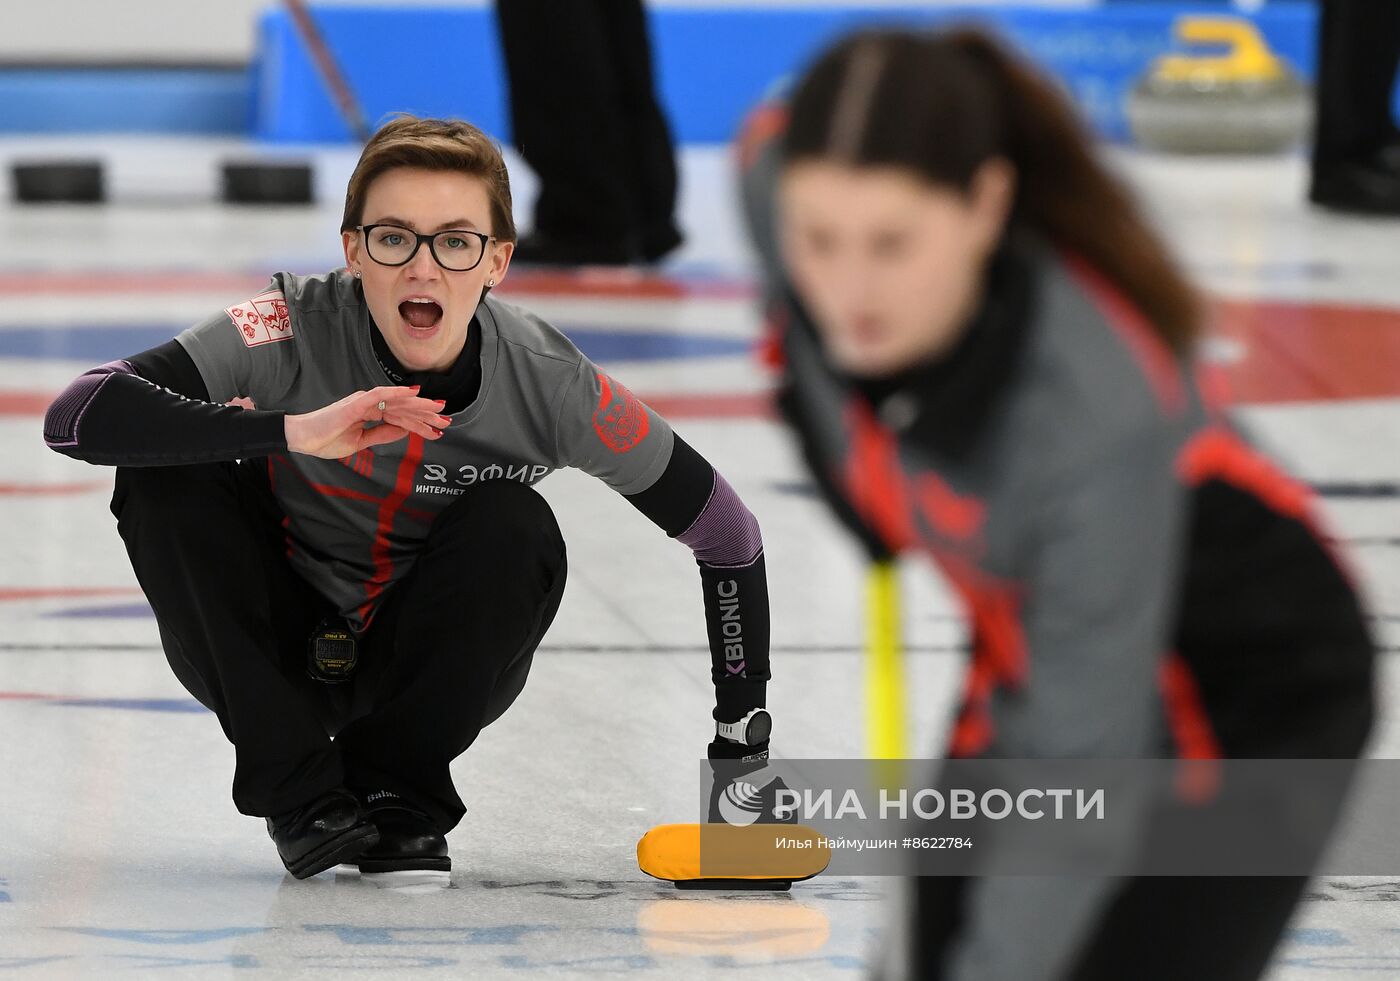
point(1358, 51)
point(446, 654)
point(585, 117)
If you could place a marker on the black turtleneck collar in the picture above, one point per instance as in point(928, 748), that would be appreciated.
point(945, 404)
point(458, 385)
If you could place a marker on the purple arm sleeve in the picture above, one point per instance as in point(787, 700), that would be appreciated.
point(725, 535)
point(65, 414)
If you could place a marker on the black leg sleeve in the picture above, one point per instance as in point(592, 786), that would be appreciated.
point(206, 545)
point(736, 618)
point(1358, 51)
point(567, 117)
point(451, 647)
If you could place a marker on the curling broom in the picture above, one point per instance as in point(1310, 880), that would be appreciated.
point(752, 857)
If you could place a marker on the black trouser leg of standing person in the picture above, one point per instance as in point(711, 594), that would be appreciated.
point(1356, 162)
point(206, 544)
point(454, 642)
point(586, 119)
point(567, 122)
point(650, 154)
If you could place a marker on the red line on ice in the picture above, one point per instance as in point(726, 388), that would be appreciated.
point(53, 592)
point(21, 490)
point(594, 282)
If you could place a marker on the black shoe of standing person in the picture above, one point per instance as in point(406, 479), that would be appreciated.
point(542, 249)
point(658, 244)
point(329, 830)
point(1367, 185)
point(409, 840)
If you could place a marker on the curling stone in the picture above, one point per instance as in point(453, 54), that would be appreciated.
point(259, 182)
point(58, 181)
point(1244, 101)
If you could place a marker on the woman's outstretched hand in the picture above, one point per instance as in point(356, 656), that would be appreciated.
point(339, 430)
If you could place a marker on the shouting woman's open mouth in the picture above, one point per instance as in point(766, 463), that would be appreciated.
point(422, 316)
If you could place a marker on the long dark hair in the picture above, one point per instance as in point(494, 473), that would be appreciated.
point(942, 104)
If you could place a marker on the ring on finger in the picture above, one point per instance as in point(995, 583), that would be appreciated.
point(381, 405)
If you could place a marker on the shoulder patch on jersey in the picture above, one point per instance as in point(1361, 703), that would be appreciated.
point(262, 319)
point(620, 420)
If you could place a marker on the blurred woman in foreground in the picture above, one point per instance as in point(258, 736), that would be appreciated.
point(988, 358)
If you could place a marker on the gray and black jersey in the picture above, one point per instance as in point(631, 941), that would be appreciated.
point(353, 526)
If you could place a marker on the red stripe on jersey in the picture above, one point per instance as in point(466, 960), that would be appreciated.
point(1216, 453)
point(952, 514)
point(761, 126)
point(879, 492)
point(1153, 355)
point(874, 481)
point(1199, 780)
point(380, 553)
point(999, 656)
point(972, 732)
point(327, 490)
point(1186, 715)
point(362, 462)
point(418, 514)
point(769, 349)
point(272, 489)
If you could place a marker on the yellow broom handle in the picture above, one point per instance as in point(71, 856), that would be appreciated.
point(884, 665)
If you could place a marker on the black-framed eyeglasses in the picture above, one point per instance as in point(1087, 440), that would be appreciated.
point(456, 249)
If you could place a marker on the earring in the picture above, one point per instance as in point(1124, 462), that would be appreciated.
point(490, 282)
point(357, 274)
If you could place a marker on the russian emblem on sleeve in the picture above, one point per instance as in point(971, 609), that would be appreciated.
point(620, 420)
point(263, 319)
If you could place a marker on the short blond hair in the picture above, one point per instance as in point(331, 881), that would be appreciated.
point(432, 144)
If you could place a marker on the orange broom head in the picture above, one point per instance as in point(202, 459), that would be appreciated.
point(759, 852)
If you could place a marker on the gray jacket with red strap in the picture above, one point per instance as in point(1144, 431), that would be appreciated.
point(1128, 565)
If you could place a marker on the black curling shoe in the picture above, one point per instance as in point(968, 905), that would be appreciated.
point(331, 829)
point(1366, 185)
point(409, 840)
